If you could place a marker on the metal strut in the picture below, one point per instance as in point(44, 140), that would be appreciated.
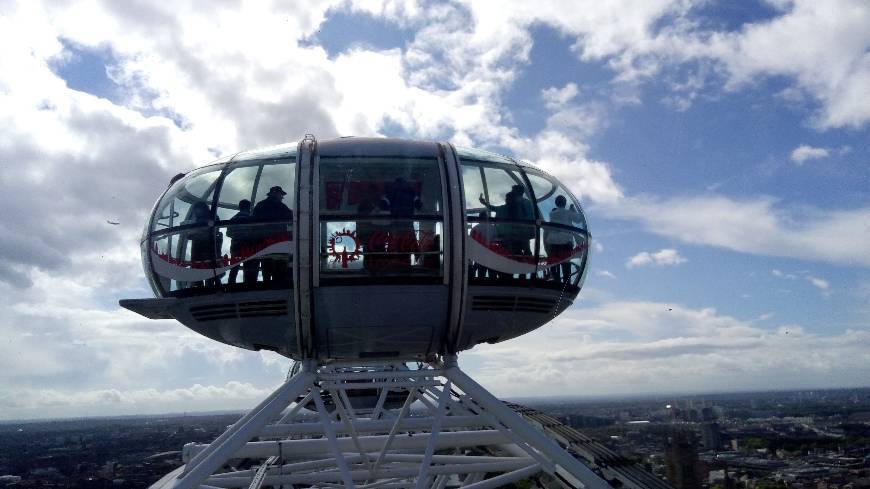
point(382, 425)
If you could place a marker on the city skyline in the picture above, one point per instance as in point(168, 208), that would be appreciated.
point(720, 151)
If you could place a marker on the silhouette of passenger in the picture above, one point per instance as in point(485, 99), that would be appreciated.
point(275, 270)
point(560, 243)
point(403, 201)
point(514, 236)
point(272, 208)
point(201, 238)
point(242, 246)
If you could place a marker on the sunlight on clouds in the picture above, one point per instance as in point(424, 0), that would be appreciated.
point(756, 226)
point(804, 152)
point(823, 45)
point(667, 348)
point(232, 394)
point(664, 257)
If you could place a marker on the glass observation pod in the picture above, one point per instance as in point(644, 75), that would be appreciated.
point(363, 248)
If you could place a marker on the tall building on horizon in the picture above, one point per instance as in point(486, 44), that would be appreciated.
point(681, 461)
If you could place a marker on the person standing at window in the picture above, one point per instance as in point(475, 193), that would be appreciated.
point(201, 238)
point(241, 246)
point(560, 243)
point(514, 236)
point(272, 208)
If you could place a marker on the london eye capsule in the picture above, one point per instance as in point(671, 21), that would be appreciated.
point(363, 248)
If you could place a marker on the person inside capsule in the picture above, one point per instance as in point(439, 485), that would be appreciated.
point(273, 209)
point(241, 245)
point(559, 243)
point(515, 239)
point(201, 239)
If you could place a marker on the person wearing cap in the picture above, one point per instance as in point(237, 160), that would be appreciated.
point(273, 209)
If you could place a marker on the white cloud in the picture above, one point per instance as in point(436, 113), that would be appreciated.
point(555, 98)
point(605, 273)
point(803, 153)
point(637, 347)
point(663, 257)
point(819, 283)
point(822, 46)
point(55, 402)
point(757, 226)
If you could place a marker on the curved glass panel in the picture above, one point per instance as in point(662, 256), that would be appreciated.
point(188, 201)
point(513, 237)
point(281, 151)
point(555, 203)
point(500, 214)
point(380, 217)
point(184, 259)
point(481, 155)
point(249, 246)
point(563, 254)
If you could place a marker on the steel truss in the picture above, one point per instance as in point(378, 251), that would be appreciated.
point(382, 425)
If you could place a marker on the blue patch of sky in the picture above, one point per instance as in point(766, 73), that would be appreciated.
point(552, 63)
point(738, 143)
point(732, 16)
point(737, 284)
point(85, 70)
point(341, 31)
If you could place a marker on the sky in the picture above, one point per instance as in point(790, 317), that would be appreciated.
point(720, 150)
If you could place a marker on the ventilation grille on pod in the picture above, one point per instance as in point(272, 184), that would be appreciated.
point(510, 303)
point(239, 310)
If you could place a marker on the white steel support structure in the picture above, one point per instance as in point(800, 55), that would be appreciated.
point(382, 425)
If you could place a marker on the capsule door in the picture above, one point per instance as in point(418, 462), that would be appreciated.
point(379, 288)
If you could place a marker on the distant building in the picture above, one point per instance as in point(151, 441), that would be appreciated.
point(681, 461)
point(711, 436)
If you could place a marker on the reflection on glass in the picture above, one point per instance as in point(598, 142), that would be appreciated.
point(472, 182)
point(185, 259)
